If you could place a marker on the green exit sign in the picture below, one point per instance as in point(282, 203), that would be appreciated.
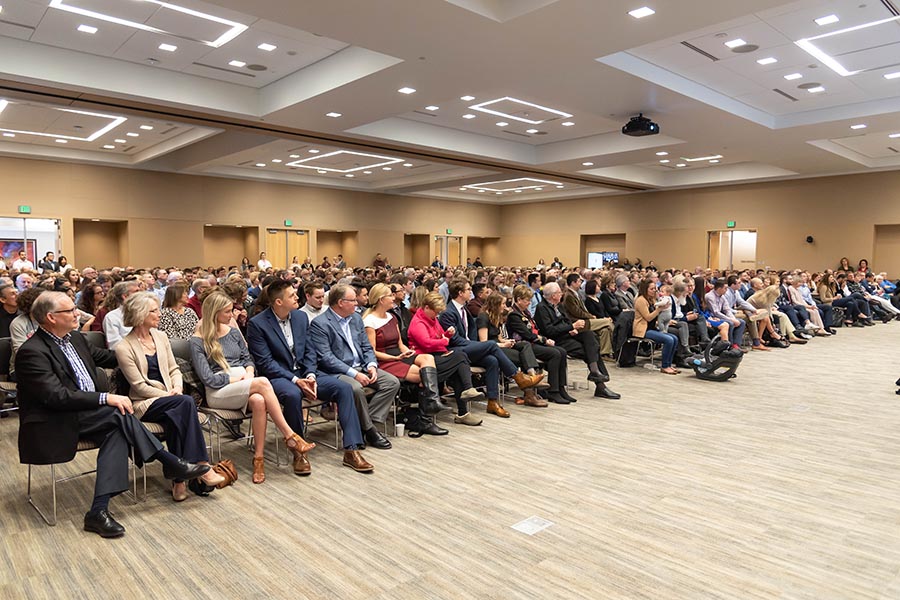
point(731, 224)
point(449, 231)
point(288, 223)
point(24, 209)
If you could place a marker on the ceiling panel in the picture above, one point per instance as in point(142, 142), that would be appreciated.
point(131, 11)
point(59, 28)
point(799, 24)
point(144, 45)
point(757, 33)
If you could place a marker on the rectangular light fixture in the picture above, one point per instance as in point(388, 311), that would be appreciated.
point(535, 184)
point(87, 29)
point(793, 76)
point(816, 90)
point(380, 161)
point(859, 126)
point(168, 47)
point(892, 75)
point(827, 20)
point(237, 63)
point(807, 45)
point(3, 105)
point(640, 13)
point(115, 121)
point(333, 115)
point(699, 158)
point(267, 47)
point(767, 61)
point(736, 43)
point(894, 136)
point(407, 90)
point(235, 29)
point(481, 108)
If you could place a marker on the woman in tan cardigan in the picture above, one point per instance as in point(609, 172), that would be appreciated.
point(146, 360)
point(645, 324)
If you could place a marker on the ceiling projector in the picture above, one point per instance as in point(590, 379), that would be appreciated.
point(640, 126)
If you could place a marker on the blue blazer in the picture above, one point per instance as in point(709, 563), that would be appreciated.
point(334, 354)
point(269, 347)
point(450, 318)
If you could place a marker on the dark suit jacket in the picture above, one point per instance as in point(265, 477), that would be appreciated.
point(610, 304)
point(451, 318)
point(519, 326)
point(549, 324)
point(49, 397)
point(332, 349)
point(269, 347)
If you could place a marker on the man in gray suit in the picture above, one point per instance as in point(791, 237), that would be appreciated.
point(344, 351)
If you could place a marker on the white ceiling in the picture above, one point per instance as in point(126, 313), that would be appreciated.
point(536, 63)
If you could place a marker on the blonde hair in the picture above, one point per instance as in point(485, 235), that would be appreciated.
point(136, 308)
point(434, 301)
point(765, 297)
point(378, 291)
point(209, 326)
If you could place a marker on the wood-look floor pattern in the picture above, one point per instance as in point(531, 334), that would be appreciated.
point(781, 484)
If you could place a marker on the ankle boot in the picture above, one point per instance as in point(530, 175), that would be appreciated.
point(429, 393)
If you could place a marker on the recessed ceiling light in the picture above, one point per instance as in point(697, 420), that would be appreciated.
point(351, 175)
point(532, 130)
point(701, 158)
point(736, 43)
point(642, 12)
point(467, 98)
point(333, 115)
point(407, 90)
point(168, 47)
point(567, 123)
point(321, 172)
point(469, 116)
point(87, 29)
point(407, 164)
point(559, 187)
point(664, 161)
point(95, 220)
point(432, 107)
point(295, 156)
point(462, 189)
point(539, 189)
point(713, 162)
point(827, 20)
point(502, 124)
point(132, 134)
point(237, 63)
point(62, 141)
point(9, 135)
point(312, 151)
point(679, 165)
point(517, 191)
point(147, 127)
point(894, 135)
point(793, 76)
point(859, 126)
point(267, 47)
point(482, 107)
point(587, 164)
point(367, 172)
point(662, 153)
point(767, 61)
point(892, 75)
point(120, 141)
point(386, 169)
point(109, 147)
point(482, 191)
point(816, 90)
point(260, 164)
point(498, 193)
point(277, 160)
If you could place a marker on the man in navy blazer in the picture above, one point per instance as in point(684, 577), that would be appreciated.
point(278, 341)
point(488, 355)
point(344, 351)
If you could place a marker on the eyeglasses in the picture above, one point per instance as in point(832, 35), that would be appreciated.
point(71, 311)
point(348, 300)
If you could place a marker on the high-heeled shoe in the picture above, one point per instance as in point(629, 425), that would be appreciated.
point(300, 446)
point(259, 469)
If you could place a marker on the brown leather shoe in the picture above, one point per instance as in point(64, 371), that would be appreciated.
point(301, 465)
point(532, 399)
point(354, 459)
point(525, 381)
point(495, 408)
point(179, 491)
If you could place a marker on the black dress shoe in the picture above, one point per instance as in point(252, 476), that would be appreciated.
point(556, 398)
point(566, 395)
point(376, 439)
point(598, 377)
point(184, 471)
point(605, 392)
point(102, 523)
point(433, 429)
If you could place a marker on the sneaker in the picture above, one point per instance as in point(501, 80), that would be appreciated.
point(467, 419)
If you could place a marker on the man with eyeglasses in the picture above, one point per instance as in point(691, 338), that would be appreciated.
point(9, 309)
point(62, 400)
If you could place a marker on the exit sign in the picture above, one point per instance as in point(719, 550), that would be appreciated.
point(731, 224)
point(288, 223)
point(449, 231)
point(24, 209)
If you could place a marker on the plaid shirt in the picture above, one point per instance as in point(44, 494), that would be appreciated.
point(85, 383)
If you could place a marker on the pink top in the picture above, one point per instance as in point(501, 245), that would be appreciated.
point(426, 335)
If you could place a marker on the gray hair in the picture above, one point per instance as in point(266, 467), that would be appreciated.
point(199, 283)
point(337, 292)
point(679, 287)
point(120, 290)
point(550, 288)
point(136, 308)
point(621, 279)
point(45, 304)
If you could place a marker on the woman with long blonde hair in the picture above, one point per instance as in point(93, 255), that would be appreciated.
point(222, 361)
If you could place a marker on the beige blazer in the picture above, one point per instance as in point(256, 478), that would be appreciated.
point(133, 363)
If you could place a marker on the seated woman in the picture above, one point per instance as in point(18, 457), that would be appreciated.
point(521, 327)
point(645, 324)
point(845, 265)
point(222, 362)
point(608, 297)
point(91, 300)
point(23, 326)
point(427, 336)
point(695, 320)
point(147, 362)
point(490, 325)
point(764, 298)
point(394, 356)
point(592, 299)
point(176, 320)
point(829, 294)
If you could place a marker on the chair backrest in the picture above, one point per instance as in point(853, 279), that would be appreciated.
point(181, 349)
point(5, 357)
point(95, 338)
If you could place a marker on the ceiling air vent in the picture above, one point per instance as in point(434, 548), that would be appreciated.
point(690, 46)
point(232, 71)
point(894, 150)
point(785, 94)
point(891, 8)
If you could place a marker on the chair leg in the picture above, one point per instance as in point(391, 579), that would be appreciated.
point(48, 520)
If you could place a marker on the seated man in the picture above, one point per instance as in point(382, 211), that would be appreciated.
point(574, 308)
point(315, 300)
point(9, 308)
point(743, 309)
point(796, 313)
point(277, 339)
point(344, 351)
point(198, 286)
point(62, 401)
point(459, 323)
point(573, 338)
point(113, 325)
point(719, 306)
point(24, 281)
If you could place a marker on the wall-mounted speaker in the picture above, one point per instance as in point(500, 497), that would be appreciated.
point(809, 239)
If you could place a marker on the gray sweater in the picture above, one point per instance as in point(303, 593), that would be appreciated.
point(236, 354)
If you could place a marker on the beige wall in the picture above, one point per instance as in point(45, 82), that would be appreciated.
point(328, 243)
point(98, 243)
point(223, 246)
